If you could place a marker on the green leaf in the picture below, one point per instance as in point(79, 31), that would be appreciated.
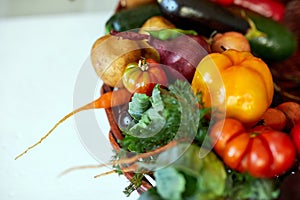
point(156, 99)
point(150, 124)
point(170, 183)
point(212, 181)
point(209, 172)
point(150, 194)
point(139, 104)
point(244, 186)
point(172, 114)
point(190, 114)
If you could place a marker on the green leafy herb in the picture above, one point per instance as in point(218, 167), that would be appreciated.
point(168, 114)
point(244, 186)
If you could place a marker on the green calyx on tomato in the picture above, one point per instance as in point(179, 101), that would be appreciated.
point(142, 74)
point(267, 153)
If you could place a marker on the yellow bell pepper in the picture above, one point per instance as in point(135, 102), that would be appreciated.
point(236, 84)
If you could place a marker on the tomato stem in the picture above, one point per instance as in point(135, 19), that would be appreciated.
point(254, 134)
point(143, 65)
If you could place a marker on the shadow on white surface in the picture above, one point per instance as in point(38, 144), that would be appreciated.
point(40, 60)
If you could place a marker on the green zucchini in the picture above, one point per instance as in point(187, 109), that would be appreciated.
point(131, 18)
point(276, 42)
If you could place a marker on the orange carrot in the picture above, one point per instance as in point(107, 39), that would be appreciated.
point(275, 119)
point(292, 111)
point(107, 100)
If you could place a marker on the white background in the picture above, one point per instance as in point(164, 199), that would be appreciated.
point(40, 58)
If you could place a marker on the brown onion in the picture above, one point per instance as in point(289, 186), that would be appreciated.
point(229, 40)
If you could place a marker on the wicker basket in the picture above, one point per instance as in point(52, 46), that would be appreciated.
point(115, 135)
point(286, 77)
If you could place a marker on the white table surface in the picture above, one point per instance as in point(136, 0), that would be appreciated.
point(41, 58)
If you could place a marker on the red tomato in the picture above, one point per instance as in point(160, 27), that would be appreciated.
point(143, 74)
point(295, 134)
point(262, 151)
point(146, 89)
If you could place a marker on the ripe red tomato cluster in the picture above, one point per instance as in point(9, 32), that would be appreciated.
point(260, 151)
point(266, 150)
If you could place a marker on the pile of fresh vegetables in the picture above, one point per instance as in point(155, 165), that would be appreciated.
point(193, 97)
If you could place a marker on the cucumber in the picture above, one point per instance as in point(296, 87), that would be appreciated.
point(131, 18)
point(272, 42)
point(277, 42)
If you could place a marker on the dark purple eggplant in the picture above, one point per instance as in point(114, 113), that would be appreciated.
point(203, 15)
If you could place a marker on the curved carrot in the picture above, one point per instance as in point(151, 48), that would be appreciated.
point(107, 100)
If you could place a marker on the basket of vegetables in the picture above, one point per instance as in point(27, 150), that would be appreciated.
point(202, 97)
point(243, 163)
